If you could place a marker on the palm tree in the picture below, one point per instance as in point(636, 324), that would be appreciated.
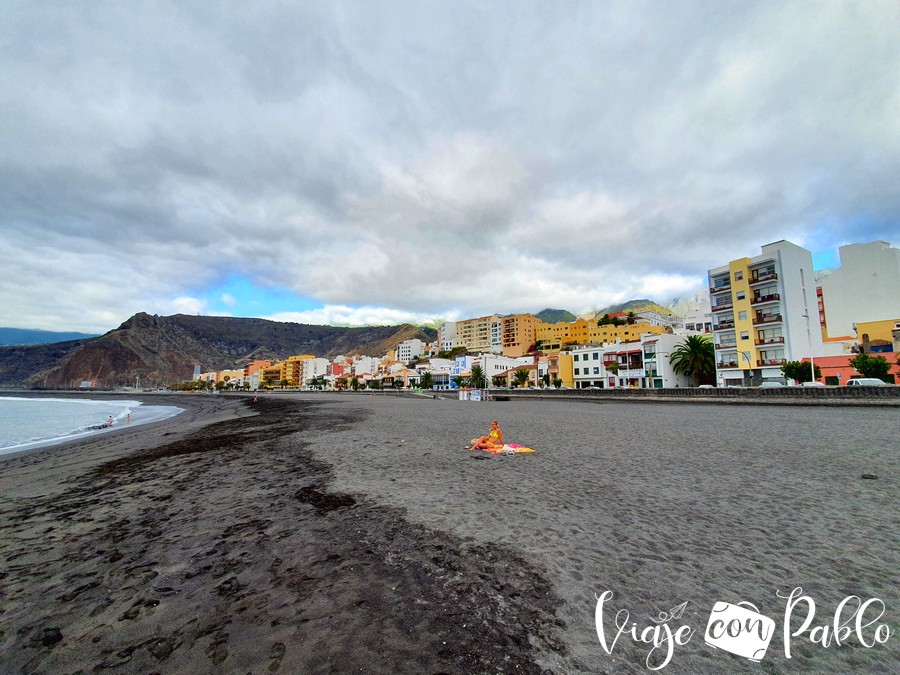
point(477, 380)
point(521, 377)
point(695, 357)
point(630, 318)
point(426, 381)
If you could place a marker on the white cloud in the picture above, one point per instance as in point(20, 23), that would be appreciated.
point(437, 159)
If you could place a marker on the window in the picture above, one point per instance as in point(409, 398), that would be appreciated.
point(596, 356)
point(745, 335)
point(738, 276)
point(740, 295)
point(576, 372)
point(742, 316)
point(575, 359)
point(596, 370)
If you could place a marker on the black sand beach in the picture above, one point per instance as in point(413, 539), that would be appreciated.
point(329, 533)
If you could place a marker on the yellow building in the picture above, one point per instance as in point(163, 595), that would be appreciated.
point(475, 334)
point(290, 370)
point(518, 333)
point(877, 330)
point(556, 336)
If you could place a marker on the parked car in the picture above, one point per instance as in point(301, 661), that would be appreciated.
point(865, 382)
point(814, 383)
point(770, 385)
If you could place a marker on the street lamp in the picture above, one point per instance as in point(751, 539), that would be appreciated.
point(812, 365)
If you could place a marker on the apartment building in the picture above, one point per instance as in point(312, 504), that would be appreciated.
point(446, 336)
point(475, 334)
point(518, 334)
point(409, 349)
point(866, 288)
point(765, 313)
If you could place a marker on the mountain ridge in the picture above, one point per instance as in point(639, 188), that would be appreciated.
point(164, 350)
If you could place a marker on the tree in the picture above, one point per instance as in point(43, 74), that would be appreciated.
point(630, 318)
point(800, 371)
point(612, 367)
point(520, 377)
point(871, 366)
point(398, 383)
point(557, 382)
point(284, 383)
point(546, 379)
point(605, 320)
point(477, 380)
point(354, 383)
point(426, 381)
point(458, 381)
point(695, 357)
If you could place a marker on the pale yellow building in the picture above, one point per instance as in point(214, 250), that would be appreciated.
point(475, 334)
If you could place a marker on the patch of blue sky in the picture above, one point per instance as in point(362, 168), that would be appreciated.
point(240, 296)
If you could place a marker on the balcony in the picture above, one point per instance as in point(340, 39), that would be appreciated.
point(762, 277)
point(733, 345)
point(759, 299)
point(768, 318)
point(722, 306)
point(770, 362)
point(724, 325)
point(719, 289)
point(769, 341)
point(726, 364)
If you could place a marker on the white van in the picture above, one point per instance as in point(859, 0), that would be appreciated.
point(865, 382)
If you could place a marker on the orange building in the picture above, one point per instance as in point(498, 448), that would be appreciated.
point(518, 333)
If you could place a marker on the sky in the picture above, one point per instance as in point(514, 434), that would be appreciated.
point(355, 163)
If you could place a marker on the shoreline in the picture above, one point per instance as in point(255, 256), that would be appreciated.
point(140, 414)
point(321, 532)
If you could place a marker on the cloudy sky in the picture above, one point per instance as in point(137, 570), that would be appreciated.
point(380, 162)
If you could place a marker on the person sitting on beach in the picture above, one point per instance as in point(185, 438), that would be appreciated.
point(492, 441)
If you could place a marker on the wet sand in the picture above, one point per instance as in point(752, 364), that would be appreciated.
point(330, 533)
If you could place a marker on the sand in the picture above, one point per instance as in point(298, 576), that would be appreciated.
point(353, 533)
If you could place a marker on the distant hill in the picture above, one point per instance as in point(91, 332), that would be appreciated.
point(23, 336)
point(164, 349)
point(555, 315)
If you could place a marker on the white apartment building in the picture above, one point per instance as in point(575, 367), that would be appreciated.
point(865, 288)
point(698, 321)
point(765, 313)
point(643, 364)
point(446, 336)
point(494, 364)
point(366, 364)
point(409, 349)
point(657, 318)
point(313, 368)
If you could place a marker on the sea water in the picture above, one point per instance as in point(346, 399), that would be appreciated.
point(34, 422)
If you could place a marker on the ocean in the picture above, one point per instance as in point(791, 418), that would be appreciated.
point(35, 422)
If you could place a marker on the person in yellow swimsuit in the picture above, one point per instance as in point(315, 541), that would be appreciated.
point(493, 440)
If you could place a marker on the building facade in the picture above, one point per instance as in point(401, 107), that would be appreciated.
point(865, 288)
point(765, 313)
